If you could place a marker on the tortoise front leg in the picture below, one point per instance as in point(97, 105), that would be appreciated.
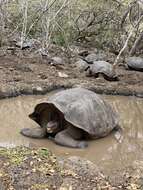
point(65, 138)
point(35, 132)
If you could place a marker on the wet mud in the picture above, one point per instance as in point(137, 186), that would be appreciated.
point(31, 74)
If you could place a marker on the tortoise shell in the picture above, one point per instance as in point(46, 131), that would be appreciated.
point(83, 109)
point(135, 63)
point(102, 67)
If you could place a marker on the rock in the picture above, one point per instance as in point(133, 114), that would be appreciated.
point(37, 90)
point(118, 136)
point(24, 45)
point(62, 75)
point(44, 52)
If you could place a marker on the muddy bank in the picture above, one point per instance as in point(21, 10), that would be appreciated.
point(23, 168)
point(31, 74)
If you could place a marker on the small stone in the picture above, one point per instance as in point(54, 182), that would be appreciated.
point(44, 52)
point(11, 69)
point(24, 45)
point(118, 136)
point(11, 188)
point(62, 75)
point(6, 164)
point(43, 76)
point(34, 170)
point(38, 88)
point(52, 171)
point(31, 163)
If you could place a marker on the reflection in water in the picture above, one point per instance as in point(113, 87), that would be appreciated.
point(106, 152)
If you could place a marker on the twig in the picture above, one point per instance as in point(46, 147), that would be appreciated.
point(126, 43)
point(24, 25)
point(41, 15)
point(137, 41)
point(124, 47)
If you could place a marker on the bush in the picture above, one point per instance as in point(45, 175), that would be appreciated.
point(64, 21)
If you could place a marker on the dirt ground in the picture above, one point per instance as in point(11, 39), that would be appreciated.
point(28, 73)
point(26, 169)
point(22, 72)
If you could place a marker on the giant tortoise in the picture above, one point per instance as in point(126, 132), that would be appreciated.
point(71, 116)
point(102, 67)
point(135, 63)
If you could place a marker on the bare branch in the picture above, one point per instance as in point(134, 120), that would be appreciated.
point(126, 43)
point(41, 15)
point(136, 43)
point(124, 47)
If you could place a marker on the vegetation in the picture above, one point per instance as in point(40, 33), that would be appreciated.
point(103, 24)
point(24, 168)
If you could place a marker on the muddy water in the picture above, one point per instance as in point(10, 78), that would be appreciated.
point(109, 153)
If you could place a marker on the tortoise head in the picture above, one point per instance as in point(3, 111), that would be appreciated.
point(87, 68)
point(52, 125)
point(88, 71)
point(35, 117)
point(47, 116)
point(55, 124)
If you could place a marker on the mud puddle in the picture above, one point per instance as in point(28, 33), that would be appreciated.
point(107, 153)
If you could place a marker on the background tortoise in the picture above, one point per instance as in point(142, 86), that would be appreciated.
point(101, 67)
point(135, 63)
point(72, 115)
